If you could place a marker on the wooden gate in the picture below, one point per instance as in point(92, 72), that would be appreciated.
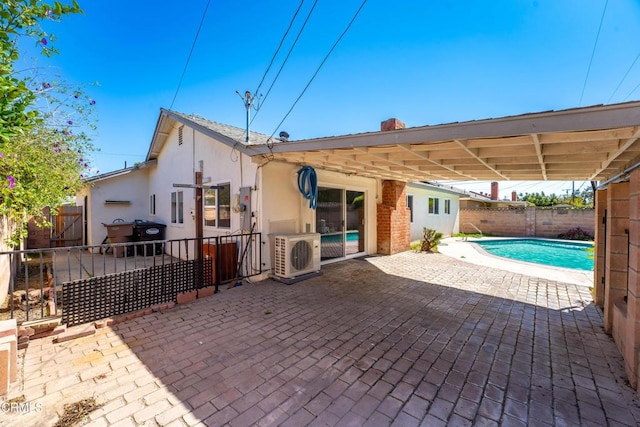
point(67, 226)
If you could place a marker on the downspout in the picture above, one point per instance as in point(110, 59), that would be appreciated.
point(618, 176)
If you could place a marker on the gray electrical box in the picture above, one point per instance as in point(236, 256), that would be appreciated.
point(245, 206)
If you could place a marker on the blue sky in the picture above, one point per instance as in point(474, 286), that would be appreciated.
point(424, 62)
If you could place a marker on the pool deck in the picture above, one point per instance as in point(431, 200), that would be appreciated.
point(455, 247)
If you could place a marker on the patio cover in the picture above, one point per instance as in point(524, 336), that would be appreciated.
point(591, 143)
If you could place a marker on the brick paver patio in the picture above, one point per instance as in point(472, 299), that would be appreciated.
point(405, 340)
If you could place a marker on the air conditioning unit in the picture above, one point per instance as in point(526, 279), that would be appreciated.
point(297, 254)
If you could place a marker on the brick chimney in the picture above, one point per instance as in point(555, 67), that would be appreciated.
point(391, 124)
point(494, 190)
point(514, 196)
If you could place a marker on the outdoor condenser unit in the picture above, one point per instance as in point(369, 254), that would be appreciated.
point(297, 254)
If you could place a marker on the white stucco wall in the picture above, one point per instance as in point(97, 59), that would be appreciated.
point(284, 210)
point(276, 203)
point(447, 224)
point(177, 164)
point(131, 187)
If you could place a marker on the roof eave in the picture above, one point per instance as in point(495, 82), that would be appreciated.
point(571, 120)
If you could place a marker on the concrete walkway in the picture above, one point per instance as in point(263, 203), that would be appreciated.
point(404, 340)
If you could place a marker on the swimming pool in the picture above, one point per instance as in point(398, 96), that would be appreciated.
point(337, 237)
point(548, 252)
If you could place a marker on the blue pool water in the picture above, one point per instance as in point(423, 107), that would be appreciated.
point(335, 238)
point(547, 252)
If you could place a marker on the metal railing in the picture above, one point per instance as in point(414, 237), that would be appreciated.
point(160, 268)
point(472, 225)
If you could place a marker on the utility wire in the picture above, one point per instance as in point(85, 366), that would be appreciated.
point(285, 59)
point(634, 89)
point(193, 45)
point(593, 52)
point(623, 78)
point(319, 67)
point(279, 47)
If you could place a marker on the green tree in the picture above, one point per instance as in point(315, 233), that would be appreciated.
point(540, 199)
point(583, 199)
point(43, 122)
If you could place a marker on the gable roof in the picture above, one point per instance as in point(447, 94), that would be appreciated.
point(228, 135)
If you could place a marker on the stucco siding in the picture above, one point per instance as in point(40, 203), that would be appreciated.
point(445, 223)
point(131, 189)
point(178, 163)
point(285, 210)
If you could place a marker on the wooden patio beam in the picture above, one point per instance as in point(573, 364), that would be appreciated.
point(473, 153)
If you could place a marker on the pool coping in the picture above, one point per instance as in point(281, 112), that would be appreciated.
point(469, 251)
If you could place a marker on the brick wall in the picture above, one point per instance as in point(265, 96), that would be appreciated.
point(527, 222)
point(394, 219)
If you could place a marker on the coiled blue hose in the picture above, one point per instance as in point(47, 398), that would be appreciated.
point(308, 185)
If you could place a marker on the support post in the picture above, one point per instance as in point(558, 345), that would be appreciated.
point(198, 216)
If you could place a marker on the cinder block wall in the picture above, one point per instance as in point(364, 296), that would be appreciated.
point(551, 222)
point(527, 222)
point(498, 222)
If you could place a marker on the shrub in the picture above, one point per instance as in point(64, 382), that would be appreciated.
point(430, 240)
point(576, 234)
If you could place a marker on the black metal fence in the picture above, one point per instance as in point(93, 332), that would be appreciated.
point(86, 283)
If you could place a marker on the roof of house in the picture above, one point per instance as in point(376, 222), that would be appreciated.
point(119, 172)
point(229, 135)
point(440, 187)
point(590, 143)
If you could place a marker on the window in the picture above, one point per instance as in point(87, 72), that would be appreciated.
point(152, 204)
point(447, 206)
point(217, 206)
point(434, 206)
point(410, 205)
point(177, 207)
point(180, 135)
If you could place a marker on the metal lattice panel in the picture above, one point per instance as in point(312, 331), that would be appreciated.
point(87, 300)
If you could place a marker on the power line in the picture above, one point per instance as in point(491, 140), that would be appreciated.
point(623, 78)
point(193, 45)
point(320, 66)
point(634, 89)
point(279, 46)
point(593, 52)
point(286, 58)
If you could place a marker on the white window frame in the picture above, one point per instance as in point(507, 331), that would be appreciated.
point(447, 206)
point(218, 210)
point(177, 207)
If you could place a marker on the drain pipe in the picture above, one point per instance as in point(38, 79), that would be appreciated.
point(618, 176)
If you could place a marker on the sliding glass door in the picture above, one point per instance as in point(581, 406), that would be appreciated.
point(340, 220)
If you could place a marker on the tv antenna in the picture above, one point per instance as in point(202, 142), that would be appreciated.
point(248, 101)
